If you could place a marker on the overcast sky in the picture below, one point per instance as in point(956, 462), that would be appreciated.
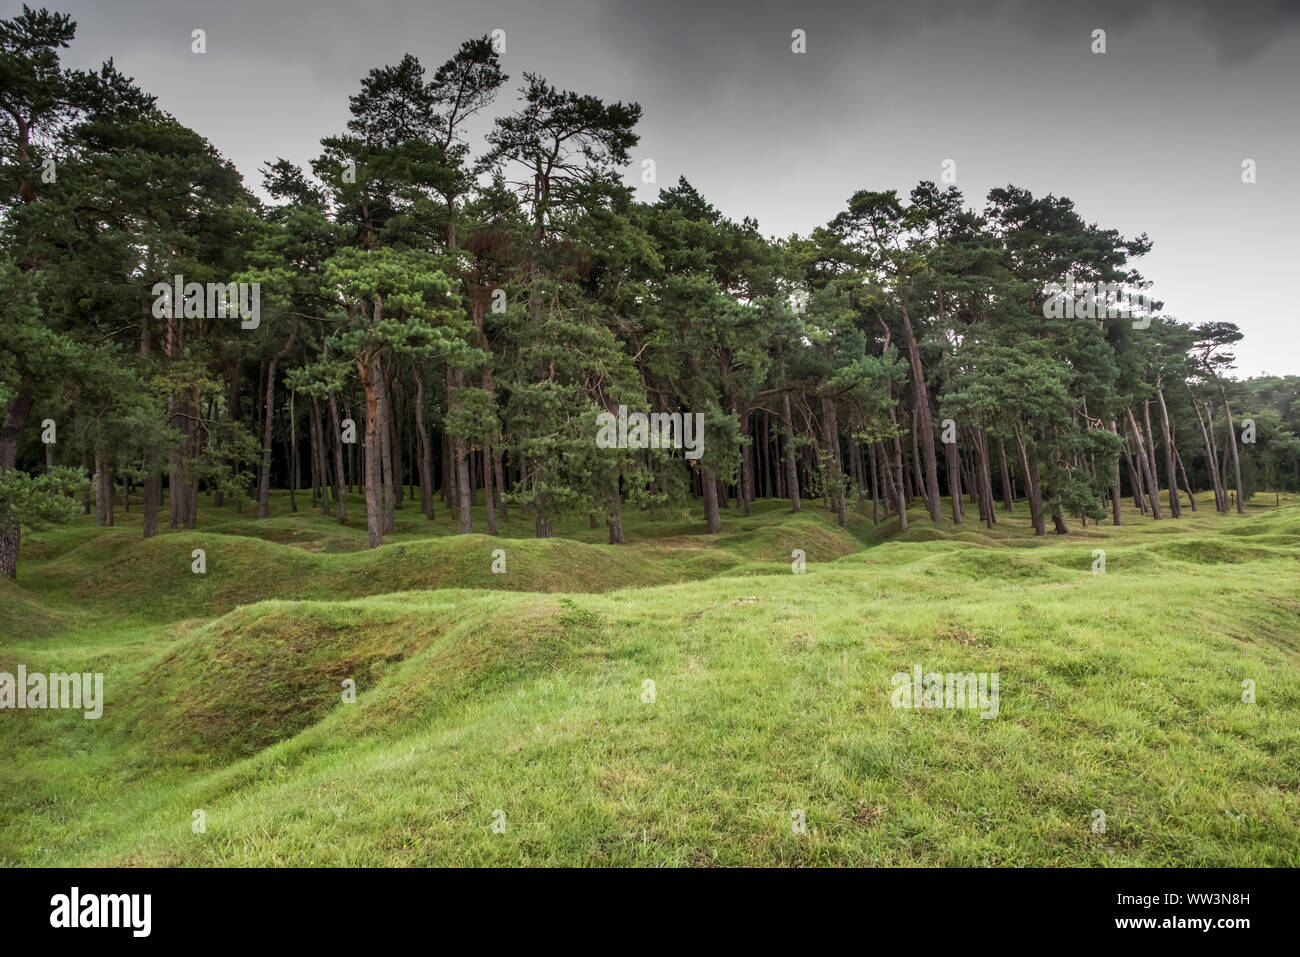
point(1148, 137)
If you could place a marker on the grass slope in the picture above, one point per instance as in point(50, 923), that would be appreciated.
point(523, 693)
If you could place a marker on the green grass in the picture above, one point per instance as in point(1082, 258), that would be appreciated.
point(523, 692)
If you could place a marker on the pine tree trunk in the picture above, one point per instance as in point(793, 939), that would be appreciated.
point(88, 493)
point(499, 469)
point(1175, 507)
point(15, 421)
point(1034, 489)
point(448, 471)
point(341, 483)
point(986, 475)
point(264, 470)
point(709, 484)
point(791, 468)
point(898, 476)
point(1144, 463)
point(385, 452)
point(295, 464)
point(426, 447)
point(1187, 486)
point(1135, 479)
point(1153, 470)
point(615, 516)
point(152, 499)
point(954, 479)
point(1058, 520)
point(1008, 491)
point(321, 454)
point(1116, 503)
point(264, 477)
point(395, 445)
point(460, 467)
point(1209, 455)
point(875, 483)
point(103, 488)
point(370, 370)
point(464, 492)
point(745, 484)
point(1236, 459)
point(916, 475)
point(830, 435)
point(924, 424)
point(489, 495)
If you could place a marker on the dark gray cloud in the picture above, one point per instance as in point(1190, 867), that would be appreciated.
point(1146, 138)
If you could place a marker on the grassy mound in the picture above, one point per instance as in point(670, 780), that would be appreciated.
point(681, 708)
point(153, 579)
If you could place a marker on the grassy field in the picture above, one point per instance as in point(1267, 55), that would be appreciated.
point(520, 699)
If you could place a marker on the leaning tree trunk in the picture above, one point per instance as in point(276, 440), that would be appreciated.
point(1033, 485)
point(1187, 486)
point(916, 474)
point(1144, 463)
point(1116, 504)
point(1151, 450)
point(1232, 439)
point(1207, 433)
point(924, 424)
point(1058, 520)
point(1175, 506)
point(1134, 477)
